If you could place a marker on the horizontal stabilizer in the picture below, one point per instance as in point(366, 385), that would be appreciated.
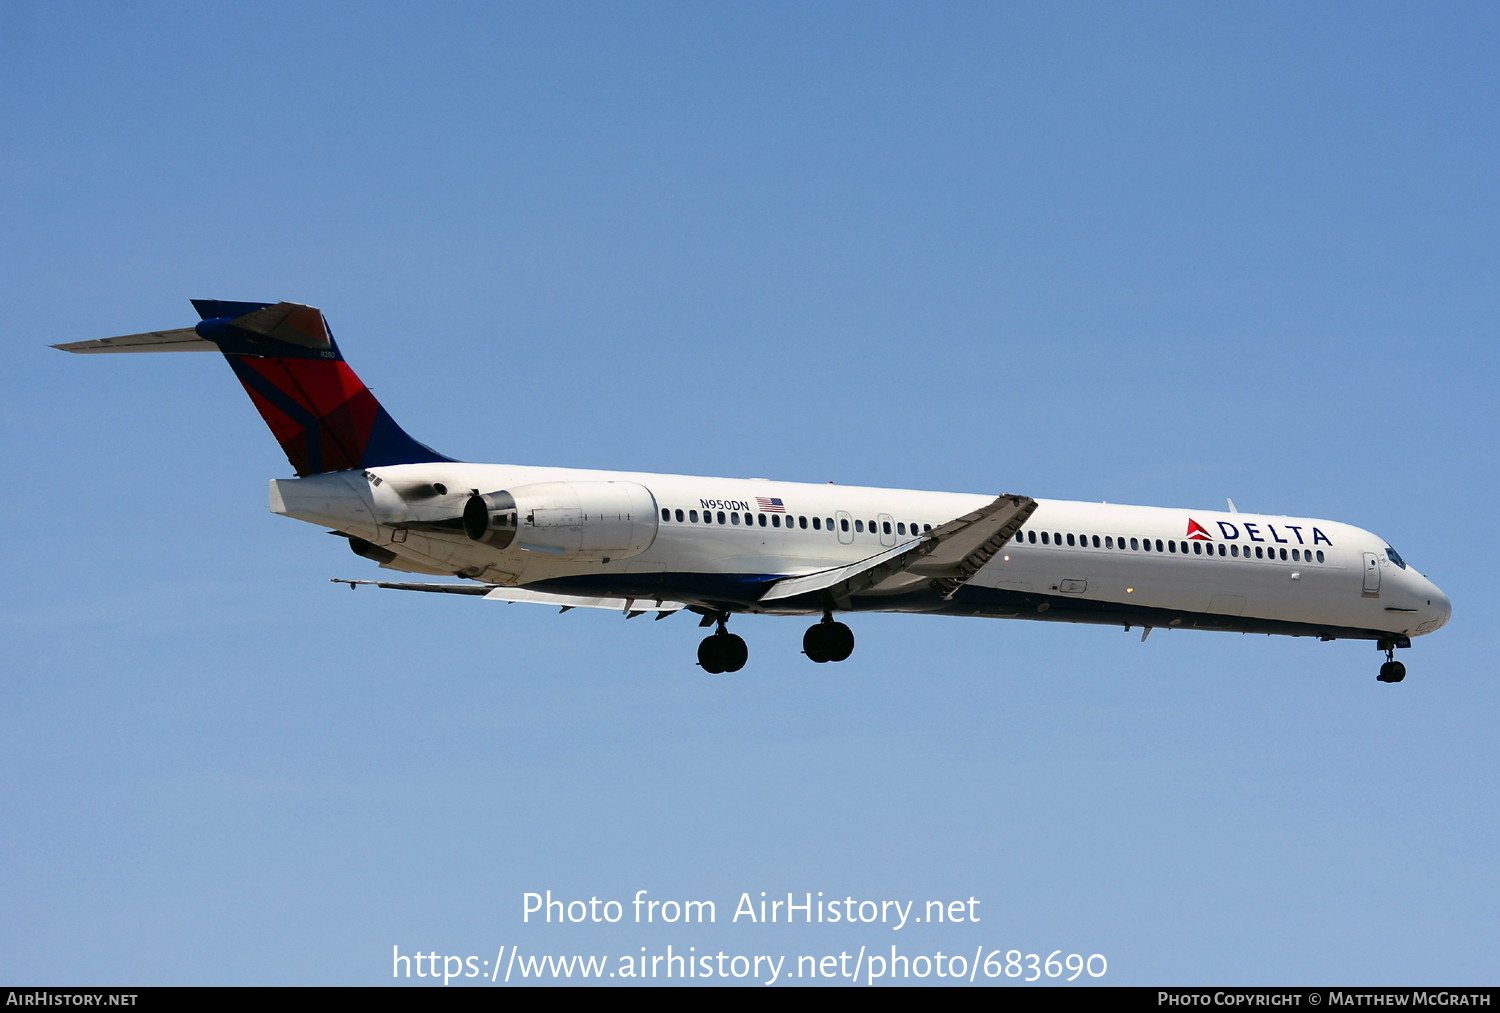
point(286, 322)
point(183, 339)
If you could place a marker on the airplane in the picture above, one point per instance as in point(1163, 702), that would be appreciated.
point(716, 547)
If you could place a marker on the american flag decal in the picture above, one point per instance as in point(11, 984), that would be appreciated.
point(772, 505)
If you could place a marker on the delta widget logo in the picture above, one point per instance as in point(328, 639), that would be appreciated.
point(1259, 531)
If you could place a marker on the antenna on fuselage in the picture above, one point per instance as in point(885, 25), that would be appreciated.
point(1232, 508)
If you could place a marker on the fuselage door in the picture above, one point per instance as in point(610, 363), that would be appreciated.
point(845, 521)
point(887, 529)
point(1372, 575)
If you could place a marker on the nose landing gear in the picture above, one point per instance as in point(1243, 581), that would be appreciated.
point(1392, 670)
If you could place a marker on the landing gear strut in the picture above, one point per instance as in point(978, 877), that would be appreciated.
point(1392, 670)
point(828, 640)
point(722, 651)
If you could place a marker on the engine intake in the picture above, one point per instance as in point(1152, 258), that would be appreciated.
point(576, 521)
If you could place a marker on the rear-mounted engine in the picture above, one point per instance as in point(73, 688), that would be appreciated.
point(592, 522)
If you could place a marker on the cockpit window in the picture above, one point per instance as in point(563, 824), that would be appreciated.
point(1395, 557)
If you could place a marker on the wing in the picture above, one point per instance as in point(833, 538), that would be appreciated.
point(948, 555)
point(494, 592)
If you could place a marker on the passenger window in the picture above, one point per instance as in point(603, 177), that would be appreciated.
point(1134, 545)
point(885, 526)
point(1109, 541)
point(721, 517)
point(693, 516)
point(666, 514)
point(735, 518)
point(762, 518)
point(843, 524)
point(859, 526)
point(1320, 555)
point(817, 524)
point(1070, 538)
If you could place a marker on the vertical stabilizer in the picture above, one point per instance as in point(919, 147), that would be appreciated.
point(321, 413)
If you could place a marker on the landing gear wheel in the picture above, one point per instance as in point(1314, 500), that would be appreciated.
point(841, 640)
point(708, 655)
point(828, 641)
point(723, 652)
point(1392, 670)
point(813, 642)
point(735, 653)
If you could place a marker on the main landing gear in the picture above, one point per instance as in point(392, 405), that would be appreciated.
point(723, 651)
point(828, 640)
point(1392, 670)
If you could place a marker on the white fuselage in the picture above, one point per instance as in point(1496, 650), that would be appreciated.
point(718, 543)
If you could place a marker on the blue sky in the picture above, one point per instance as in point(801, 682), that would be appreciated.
point(1155, 253)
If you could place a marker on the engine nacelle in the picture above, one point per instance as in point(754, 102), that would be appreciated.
point(585, 522)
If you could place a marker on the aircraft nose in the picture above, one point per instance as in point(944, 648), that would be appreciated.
point(1442, 608)
point(1439, 608)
